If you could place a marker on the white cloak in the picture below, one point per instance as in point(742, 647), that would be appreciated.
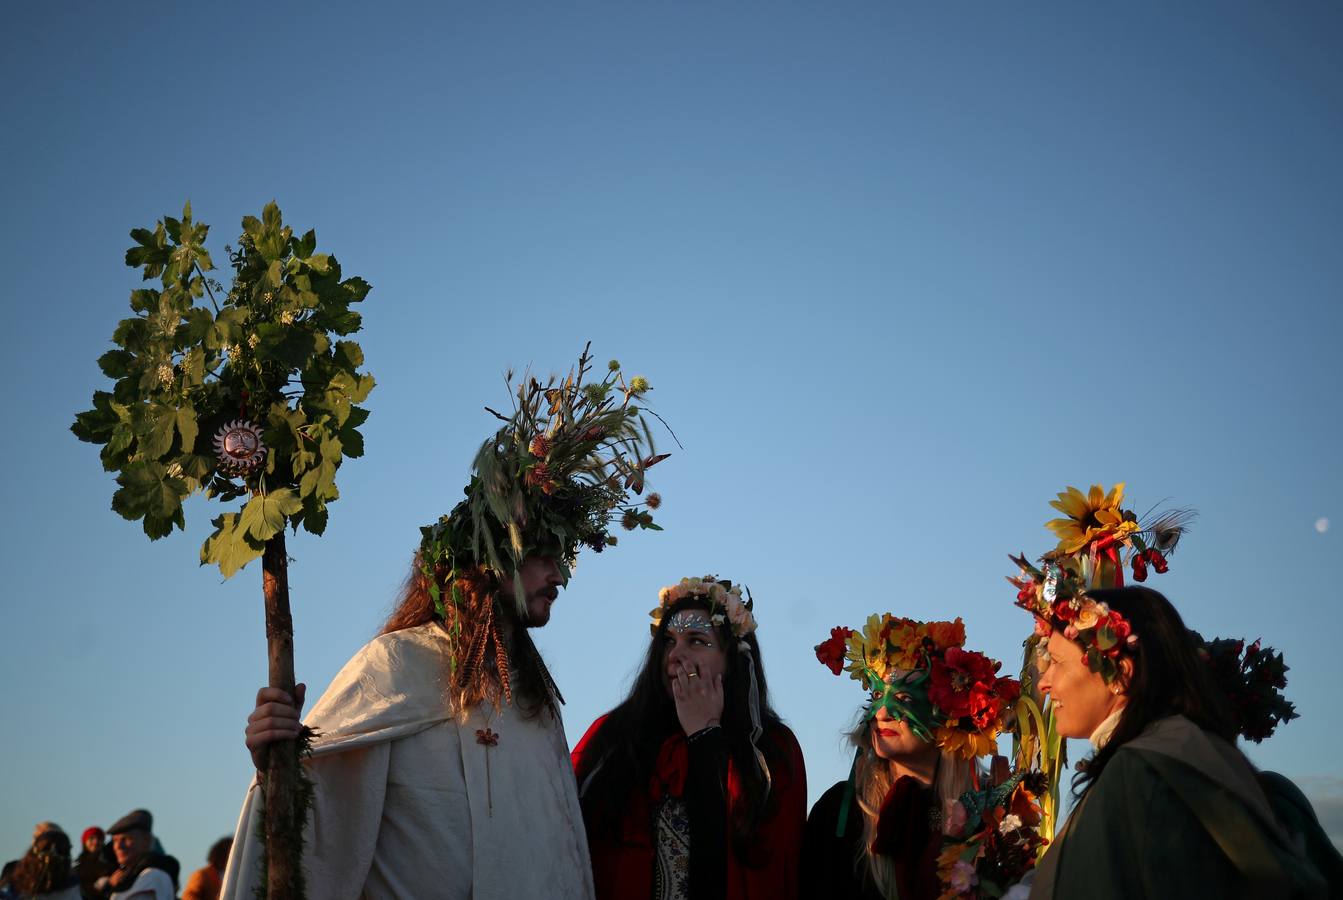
point(407, 805)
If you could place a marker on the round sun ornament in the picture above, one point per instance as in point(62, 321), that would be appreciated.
point(239, 446)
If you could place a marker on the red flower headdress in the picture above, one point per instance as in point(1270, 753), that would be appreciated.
point(969, 702)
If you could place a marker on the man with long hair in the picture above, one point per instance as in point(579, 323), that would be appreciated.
point(439, 761)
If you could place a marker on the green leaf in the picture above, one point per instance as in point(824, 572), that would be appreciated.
point(196, 327)
point(118, 443)
point(229, 547)
point(116, 363)
point(148, 491)
point(349, 355)
point(193, 367)
point(144, 300)
point(356, 288)
point(227, 329)
point(352, 442)
point(196, 466)
point(290, 346)
point(131, 333)
point(155, 431)
point(314, 515)
point(304, 246)
point(152, 252)
point(339, 320)
point(320, 480)
point(264, 515)
point(95, 425)
point(187, 427)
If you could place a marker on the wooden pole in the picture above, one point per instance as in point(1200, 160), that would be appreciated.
point(284, 814)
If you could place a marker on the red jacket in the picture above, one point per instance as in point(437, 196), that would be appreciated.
point(622, 866)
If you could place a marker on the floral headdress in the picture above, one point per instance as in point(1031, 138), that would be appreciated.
point(968, 701)
point(1252, 678)
point(724, 600)
point(1098, 540)
point(561, 469)
point(993, 838)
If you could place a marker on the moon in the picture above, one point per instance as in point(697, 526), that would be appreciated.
point(1322, 524)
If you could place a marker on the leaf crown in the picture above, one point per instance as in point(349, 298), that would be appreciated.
point(569, 460)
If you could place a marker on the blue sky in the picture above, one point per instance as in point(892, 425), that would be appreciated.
point(897, 273)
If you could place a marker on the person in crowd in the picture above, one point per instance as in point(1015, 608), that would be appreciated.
point(143, 871)
point(692, 787)
point(1164, 740)
point(1121, 670)
point(933, 709)
point(95, 860)
point(45, 872)
point(205, 882)
point(441, 768)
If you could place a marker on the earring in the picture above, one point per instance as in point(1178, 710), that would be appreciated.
point(1114, 689)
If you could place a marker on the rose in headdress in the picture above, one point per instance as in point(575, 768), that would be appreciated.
point(962, 683)
point(831, 652)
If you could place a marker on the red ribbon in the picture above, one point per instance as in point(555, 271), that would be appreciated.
point(1107, 547)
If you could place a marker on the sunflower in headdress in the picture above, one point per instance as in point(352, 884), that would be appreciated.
point(1090, 517)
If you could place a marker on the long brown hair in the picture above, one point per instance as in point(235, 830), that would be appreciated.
point(1168, 677)
point(485, 637)
point(46, 866)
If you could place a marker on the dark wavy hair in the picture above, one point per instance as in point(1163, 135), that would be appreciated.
point(622, 754)
point(1169, 677)
point(46, 866)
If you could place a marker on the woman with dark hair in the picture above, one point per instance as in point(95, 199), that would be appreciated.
point(1168, 806)
point(95, 860)
point(692, 786)
point(933, 709)
point(45, 873)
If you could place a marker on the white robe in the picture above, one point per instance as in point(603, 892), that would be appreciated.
point(404, 806)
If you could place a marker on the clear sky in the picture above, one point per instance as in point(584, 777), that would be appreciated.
point(897, 272)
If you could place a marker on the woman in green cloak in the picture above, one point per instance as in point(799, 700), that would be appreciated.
point(1168, 806)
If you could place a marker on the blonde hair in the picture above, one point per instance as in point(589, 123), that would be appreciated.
point(873, 778)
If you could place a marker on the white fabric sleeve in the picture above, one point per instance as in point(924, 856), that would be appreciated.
point(342, 830)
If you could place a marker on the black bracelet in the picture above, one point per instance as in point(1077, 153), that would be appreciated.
point(702, 732)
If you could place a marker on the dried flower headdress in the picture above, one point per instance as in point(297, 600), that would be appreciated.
point(569, 460)
point(1252, 678)
point(1098, 539)
point(724, 600)
point(966, 702)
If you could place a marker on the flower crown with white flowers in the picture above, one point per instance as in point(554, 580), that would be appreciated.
point(724, 599)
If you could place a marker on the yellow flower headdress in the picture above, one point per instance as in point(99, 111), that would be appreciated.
point(1098, 540)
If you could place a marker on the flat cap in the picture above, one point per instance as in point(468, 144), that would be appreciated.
point(136, 818)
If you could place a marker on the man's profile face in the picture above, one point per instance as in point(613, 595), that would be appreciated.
point(541, 581)
point(130, 845)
